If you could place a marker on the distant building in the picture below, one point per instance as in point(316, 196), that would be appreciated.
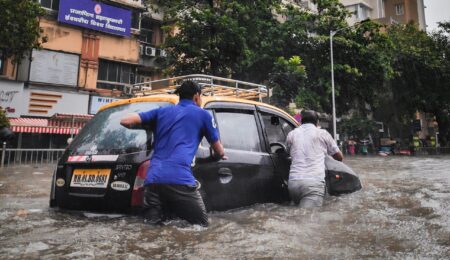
point(304, 4)
point(387, 11)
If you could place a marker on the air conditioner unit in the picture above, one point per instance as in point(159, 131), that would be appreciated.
point(150, 51)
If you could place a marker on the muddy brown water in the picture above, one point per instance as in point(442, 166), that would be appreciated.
point(402, 212)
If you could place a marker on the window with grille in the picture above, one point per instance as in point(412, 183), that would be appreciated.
point(50, 4)
point(399, 9)
point(115, 75)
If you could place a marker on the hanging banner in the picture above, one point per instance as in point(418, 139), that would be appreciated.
point(96, 16)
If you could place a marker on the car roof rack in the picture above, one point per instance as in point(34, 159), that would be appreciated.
point(211, 86)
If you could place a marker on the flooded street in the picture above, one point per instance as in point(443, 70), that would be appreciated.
point(403, 211)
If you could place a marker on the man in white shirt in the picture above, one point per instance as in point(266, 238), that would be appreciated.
point(308, 145)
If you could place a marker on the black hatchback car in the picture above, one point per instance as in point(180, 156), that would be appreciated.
point(105, 166)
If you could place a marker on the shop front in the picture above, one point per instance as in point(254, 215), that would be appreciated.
point(42, 133)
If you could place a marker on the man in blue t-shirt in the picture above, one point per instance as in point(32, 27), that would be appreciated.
point(178, 130)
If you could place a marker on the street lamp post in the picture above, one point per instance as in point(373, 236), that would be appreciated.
point(333, 99)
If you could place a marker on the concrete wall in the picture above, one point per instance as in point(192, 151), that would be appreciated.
point(9, 70)
point(61, 37)
point(118, 48)
point(410, 11)
point(413, 11)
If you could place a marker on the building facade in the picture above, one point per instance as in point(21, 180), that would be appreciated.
point(94, 51)
point(387, 11)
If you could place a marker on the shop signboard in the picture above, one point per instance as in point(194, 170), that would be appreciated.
point(96, 16)
point(11, 97)
point(45, 103)
point(97, 102)
point(40, 102)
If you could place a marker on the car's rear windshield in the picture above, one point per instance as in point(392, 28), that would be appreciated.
point(104, 134)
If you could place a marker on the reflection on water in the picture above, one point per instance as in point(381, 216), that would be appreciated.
point(403, 211)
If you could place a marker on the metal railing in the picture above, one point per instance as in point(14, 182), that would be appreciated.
point(431, 150)
point(14, 156)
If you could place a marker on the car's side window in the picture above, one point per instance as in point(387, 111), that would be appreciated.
point(274, 130)
point(238, 130)
point(287, 127)
point(276, 127)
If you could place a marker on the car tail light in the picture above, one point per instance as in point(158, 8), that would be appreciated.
point(137, 196)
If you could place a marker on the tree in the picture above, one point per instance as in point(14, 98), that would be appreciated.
point(20, 28)
point(362, 64)
point(288, 78)
point(421, 79)
point(217, 37)
point(4, 122)
point(5, 133)
point(442, 108)
point(357, 126)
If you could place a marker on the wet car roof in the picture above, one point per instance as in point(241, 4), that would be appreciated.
point(206, 99)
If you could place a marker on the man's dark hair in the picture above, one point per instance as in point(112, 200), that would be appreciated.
point(310, 117)
point(188, 89)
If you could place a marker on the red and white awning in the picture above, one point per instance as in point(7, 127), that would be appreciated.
point(41, 126)
point(72, 116)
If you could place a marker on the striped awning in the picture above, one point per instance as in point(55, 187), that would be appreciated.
point(40, 126)
point(72, 116)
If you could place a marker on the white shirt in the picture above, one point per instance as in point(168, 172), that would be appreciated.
point(308, 146)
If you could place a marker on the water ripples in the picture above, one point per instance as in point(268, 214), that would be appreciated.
point(403, 211)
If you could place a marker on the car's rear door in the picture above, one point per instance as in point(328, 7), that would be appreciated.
point(244, 178)
point(98, 169)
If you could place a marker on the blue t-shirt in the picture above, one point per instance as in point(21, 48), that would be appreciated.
point(177, 131)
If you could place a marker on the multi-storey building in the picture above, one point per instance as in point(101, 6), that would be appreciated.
point(384, 11)
point(305, 4)
point(94, 50)
point(387, 11)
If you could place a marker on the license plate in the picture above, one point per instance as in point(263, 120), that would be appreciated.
point(90, 178)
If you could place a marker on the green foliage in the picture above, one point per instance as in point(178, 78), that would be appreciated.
point(218, 37)
point(422, 73)
point(20, 27)
point(207, 43)
point(4, 122)
point(287, 78)
point(361, 62)
point(388, 72)
point(357, 126)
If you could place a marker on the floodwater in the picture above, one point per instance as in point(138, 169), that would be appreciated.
point(402, 212)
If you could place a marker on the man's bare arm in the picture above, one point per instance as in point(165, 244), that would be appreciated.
point(131, 120)
point(219, 152)
point(338, 156)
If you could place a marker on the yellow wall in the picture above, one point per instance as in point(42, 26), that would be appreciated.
point(9, 70)
point(61, 38)
point(91, 45)
point(119, 48)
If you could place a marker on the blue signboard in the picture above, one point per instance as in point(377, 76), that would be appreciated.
point(96, 16)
